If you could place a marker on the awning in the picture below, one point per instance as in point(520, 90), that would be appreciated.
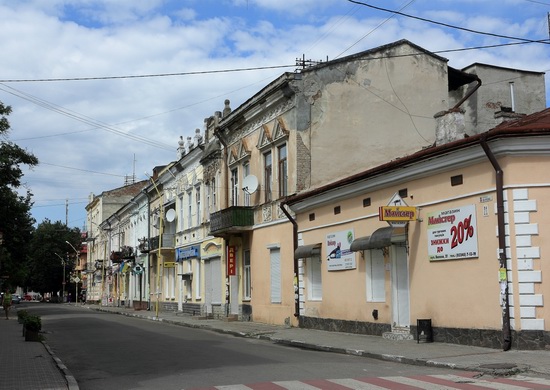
point(381, 238)
point(304, 251)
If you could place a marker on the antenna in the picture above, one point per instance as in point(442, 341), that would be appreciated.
point(171, 215)
point(250, 184)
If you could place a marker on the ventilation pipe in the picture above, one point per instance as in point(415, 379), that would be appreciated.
point(506, 333)
point(512, 96)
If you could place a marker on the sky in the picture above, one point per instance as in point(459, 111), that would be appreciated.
point(103, 89)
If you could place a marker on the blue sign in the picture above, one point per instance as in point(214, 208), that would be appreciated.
point(188, 252)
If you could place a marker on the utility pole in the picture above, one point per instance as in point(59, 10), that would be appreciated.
point(66, 212)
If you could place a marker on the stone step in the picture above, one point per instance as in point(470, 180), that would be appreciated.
point(397, 336)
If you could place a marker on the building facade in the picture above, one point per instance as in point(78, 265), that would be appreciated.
point(453, 234)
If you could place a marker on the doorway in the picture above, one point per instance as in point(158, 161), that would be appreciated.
point(400, 289)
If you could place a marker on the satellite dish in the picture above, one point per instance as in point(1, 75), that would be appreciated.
point(171, 215)
point(250, 184)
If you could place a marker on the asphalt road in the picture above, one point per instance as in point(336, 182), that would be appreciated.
point(108, 351)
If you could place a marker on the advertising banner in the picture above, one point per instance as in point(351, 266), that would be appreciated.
point(339, 257)
point(452, 234)
point(231, 260)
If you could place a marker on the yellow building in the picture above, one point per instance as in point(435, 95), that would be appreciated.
point(449, 241)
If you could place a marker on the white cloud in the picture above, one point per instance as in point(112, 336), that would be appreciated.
point(92, 38)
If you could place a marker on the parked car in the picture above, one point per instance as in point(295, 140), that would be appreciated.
point(15, 298)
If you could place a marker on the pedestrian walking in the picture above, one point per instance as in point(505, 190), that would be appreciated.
point(6, 302)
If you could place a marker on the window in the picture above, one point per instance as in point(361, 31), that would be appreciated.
point(246, 172)
point(170, 287)
point(198, 199)
point(180, 219)
point(213, 188)
point(268, 171)
point(208, 201)
point(247, 284)
point(275, 263)
point(315, 286)
point(283, 171)
point(197, 279)
point(376, 291)
point(234, 187)
point(189, 209)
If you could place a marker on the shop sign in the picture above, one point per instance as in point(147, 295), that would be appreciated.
point(231, 261)
point(187, 253)
point(397, 213)
point(339, 256)
point(169, 264)
point(452, 234)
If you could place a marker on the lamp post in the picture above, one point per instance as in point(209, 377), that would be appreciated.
point(76, 279)
point(63, 283)
point(160, 256)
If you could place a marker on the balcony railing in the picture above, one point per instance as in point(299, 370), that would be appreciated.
point(231, 220)
point(167, 241)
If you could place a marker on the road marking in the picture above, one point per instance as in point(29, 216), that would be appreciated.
point(463, 381)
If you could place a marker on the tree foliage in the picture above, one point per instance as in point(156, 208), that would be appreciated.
point(50, 255)
point(16, 222)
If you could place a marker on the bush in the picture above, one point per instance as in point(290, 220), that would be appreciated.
point(21, 315)
point(33, 323)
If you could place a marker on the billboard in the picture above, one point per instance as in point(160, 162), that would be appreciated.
point(452, 234)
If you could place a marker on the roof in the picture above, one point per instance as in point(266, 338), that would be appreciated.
point(537, 121)
point(483, 65)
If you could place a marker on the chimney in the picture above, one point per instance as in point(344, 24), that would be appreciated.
point(506, 114)
point(450, 126)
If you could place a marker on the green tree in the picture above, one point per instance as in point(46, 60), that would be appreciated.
point(51, 256)
point(16, 222)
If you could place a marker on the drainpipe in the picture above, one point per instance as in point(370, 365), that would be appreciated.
point(225, 243)
point(506, 333)
point(295, 246)
point(457, 105)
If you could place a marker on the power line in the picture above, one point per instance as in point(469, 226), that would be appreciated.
point(448, 25)
point(82, 170)
point(82, 118)
point(147, 75)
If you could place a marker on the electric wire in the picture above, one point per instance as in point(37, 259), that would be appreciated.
point(449, 25)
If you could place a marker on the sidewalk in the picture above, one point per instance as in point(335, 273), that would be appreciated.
point(32, 365)
point(28, 365)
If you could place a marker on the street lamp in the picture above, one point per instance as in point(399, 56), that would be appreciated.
point(160, 256)
point(76, 279)
point(63, 283)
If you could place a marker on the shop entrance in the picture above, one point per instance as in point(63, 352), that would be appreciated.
point(400, 289)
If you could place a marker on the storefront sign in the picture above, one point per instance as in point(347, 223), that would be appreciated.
point(339, 256)
point(452, 234)
point(397, 213)
point(231, 261)
point(187, 253)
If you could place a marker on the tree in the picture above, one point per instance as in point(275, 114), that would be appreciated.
point(50, 256)
point(16, 222)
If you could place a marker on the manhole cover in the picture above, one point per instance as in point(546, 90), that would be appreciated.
point(499, 366)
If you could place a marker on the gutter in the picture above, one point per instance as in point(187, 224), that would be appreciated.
point(295, 246)
point(506, 332)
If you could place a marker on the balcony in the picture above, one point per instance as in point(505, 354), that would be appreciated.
point(233, 219)
point(167, 242)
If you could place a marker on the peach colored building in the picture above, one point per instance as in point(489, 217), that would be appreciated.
point(454, 236)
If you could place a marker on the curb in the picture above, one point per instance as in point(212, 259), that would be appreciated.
point(324, 348)
point(71, 381)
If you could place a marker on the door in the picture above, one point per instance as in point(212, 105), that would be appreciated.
point(400, 288)
point(212, 284)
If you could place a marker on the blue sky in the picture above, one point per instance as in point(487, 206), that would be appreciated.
point(89, 134)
